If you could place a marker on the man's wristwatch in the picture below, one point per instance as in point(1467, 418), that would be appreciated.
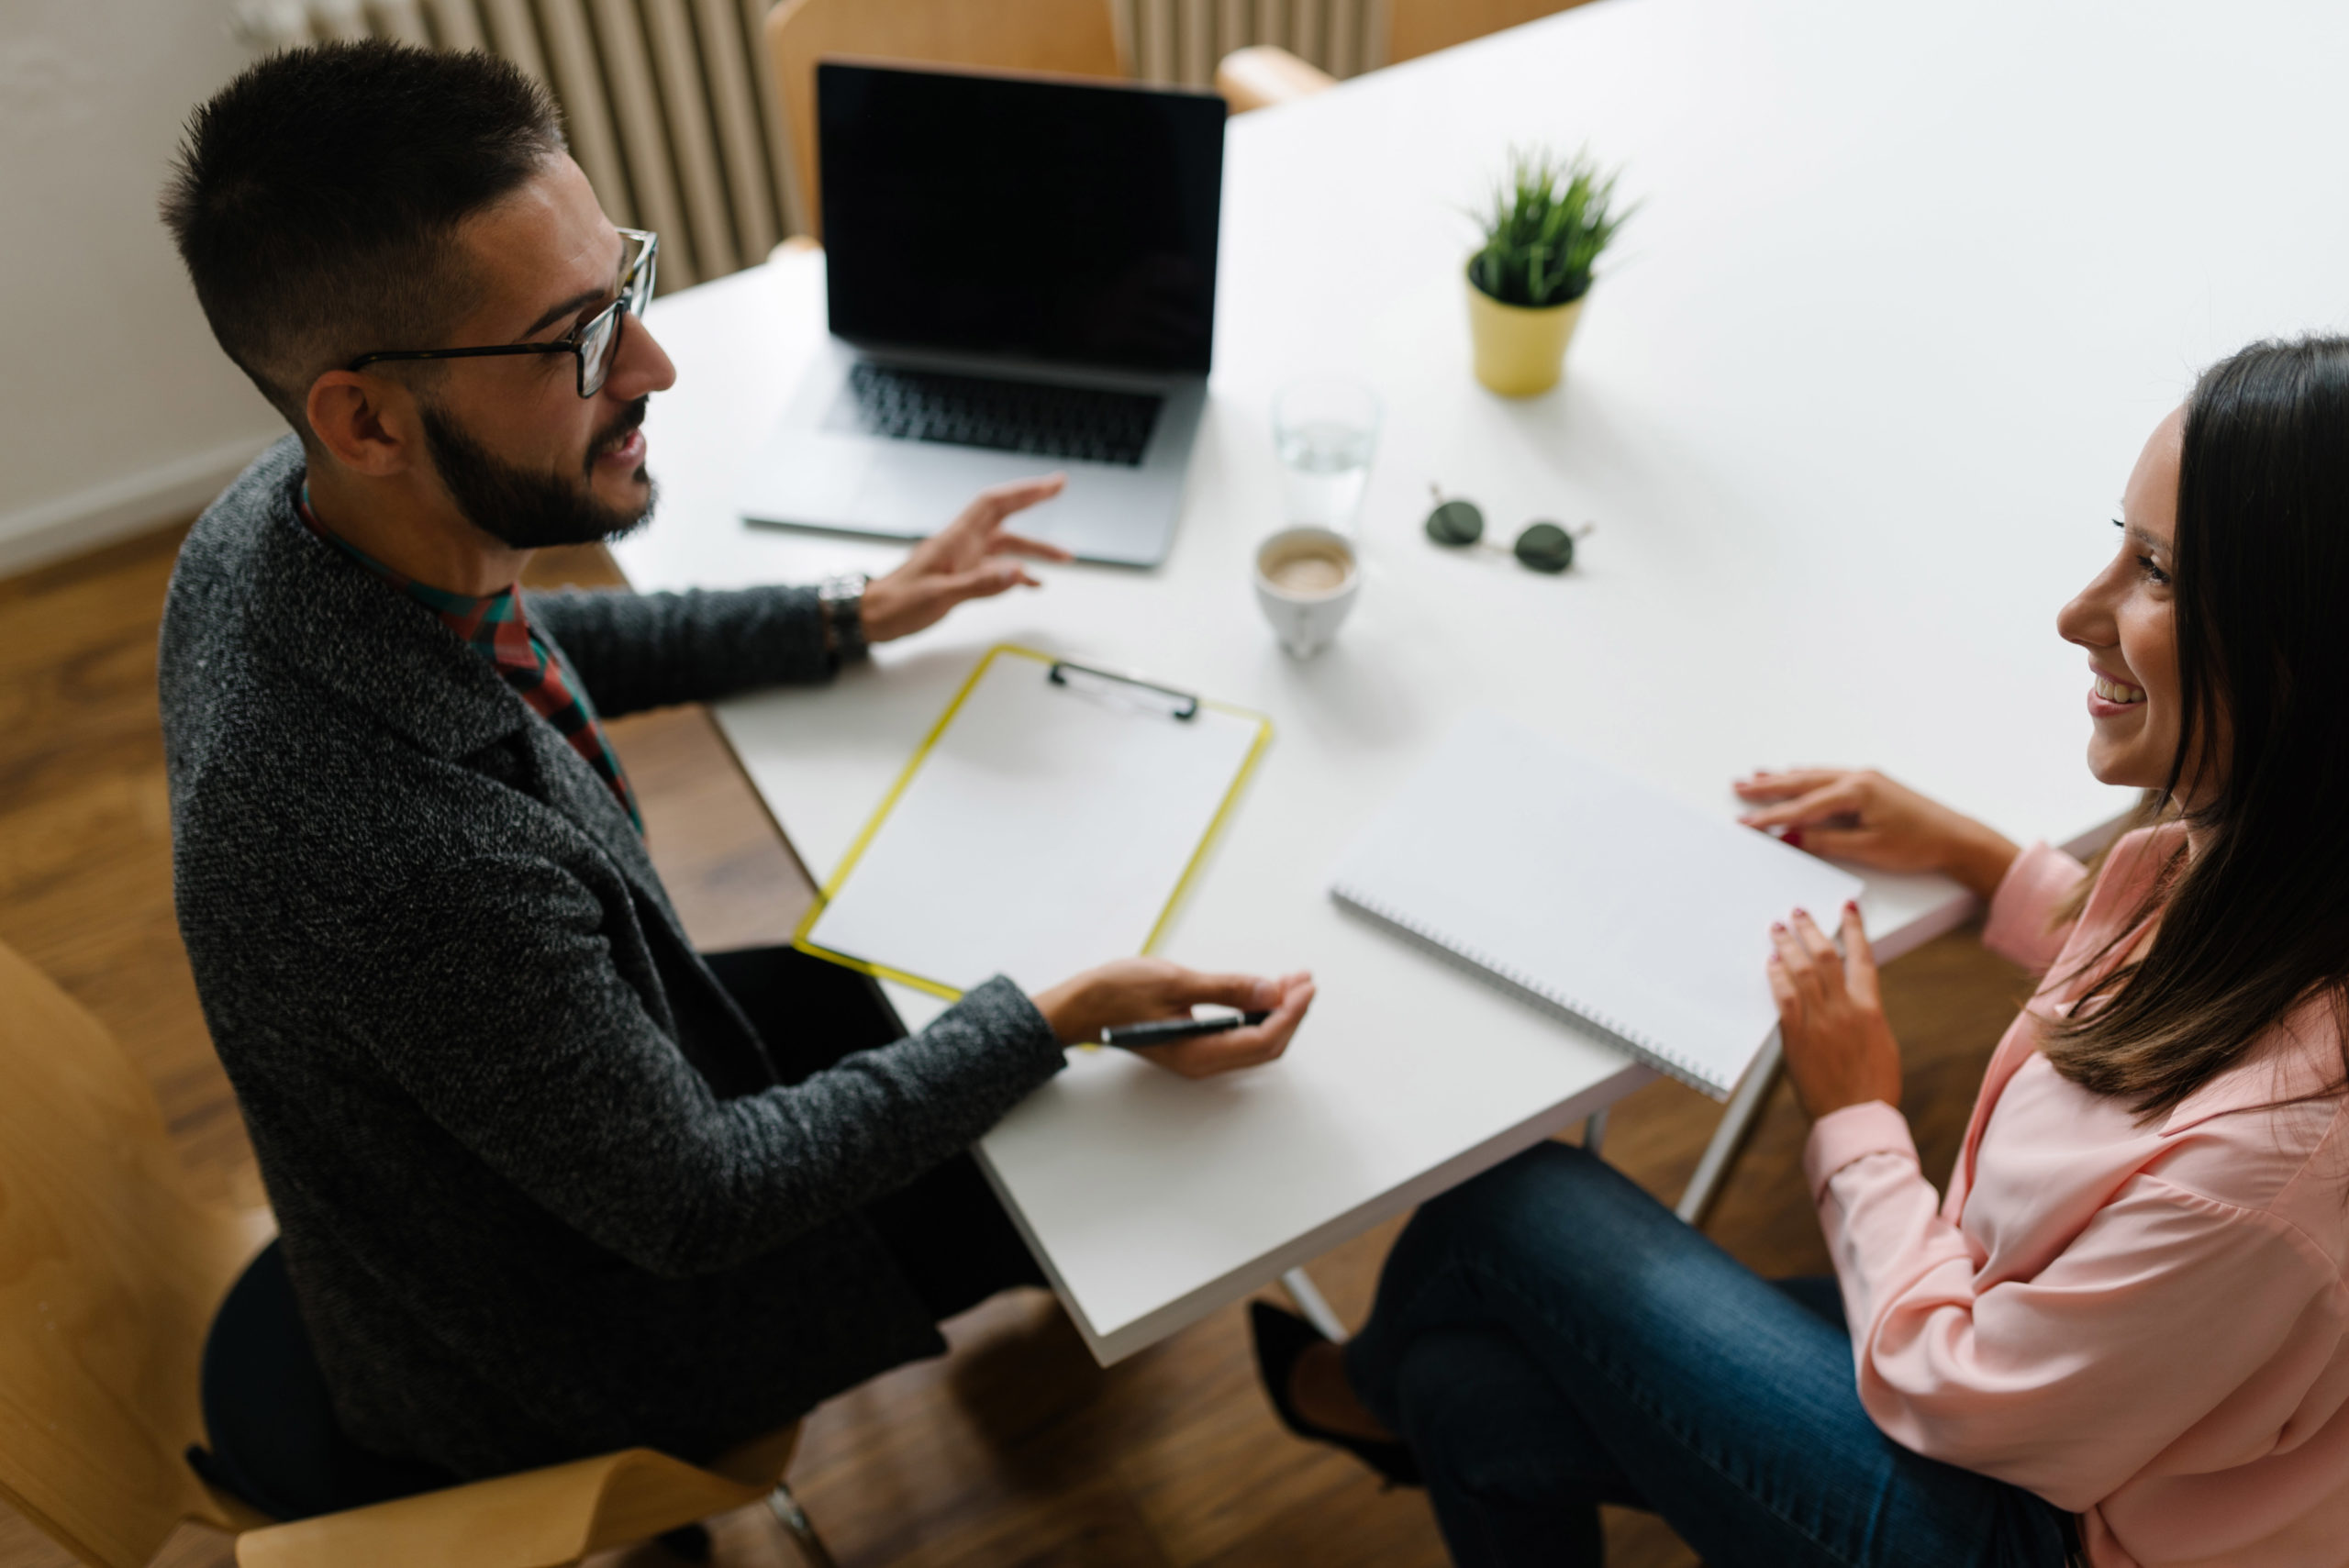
point(841, 599)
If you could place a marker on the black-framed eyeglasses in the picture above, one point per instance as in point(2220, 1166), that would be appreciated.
point(592, 345)
point(1543, 546)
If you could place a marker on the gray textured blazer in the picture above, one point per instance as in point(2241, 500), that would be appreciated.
point(540, 1195)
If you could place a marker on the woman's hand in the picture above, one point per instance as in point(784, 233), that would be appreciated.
point(973, 557)
point(1839, 1049)
point(1139, 990)
point(1857, 814)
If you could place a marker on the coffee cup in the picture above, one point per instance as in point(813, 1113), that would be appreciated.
point(1307, 580)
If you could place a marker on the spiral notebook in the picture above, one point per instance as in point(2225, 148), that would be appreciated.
point(1589, 894)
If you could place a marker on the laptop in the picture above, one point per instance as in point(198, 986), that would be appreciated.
point(1021, 278)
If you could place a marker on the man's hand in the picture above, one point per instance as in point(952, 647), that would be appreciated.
point(1857, 814)
point(1139, 990)
point(1839, 1049)
point(973, 557)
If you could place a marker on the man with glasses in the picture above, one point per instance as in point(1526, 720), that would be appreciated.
point(549, 1183)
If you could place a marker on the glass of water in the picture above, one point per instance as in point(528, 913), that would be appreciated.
point(1325, 429)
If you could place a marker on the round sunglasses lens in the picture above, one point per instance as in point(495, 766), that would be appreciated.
point(1457, 522)
point(1546, 546)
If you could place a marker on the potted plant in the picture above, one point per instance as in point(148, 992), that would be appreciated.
point(1547, 224)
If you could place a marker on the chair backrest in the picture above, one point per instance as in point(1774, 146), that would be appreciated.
point(1071, 37)
point(1421, 27)
point(110, 1268)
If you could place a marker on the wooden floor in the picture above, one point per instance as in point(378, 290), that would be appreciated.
point(1015, 1449)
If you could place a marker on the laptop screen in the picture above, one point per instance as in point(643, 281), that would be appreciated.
point(1055, 221)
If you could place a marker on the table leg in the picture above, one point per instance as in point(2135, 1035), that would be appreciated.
point(1310, 1302)
point(1738, 1118)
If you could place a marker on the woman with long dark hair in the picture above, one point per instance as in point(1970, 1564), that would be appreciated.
point(2123, 1335)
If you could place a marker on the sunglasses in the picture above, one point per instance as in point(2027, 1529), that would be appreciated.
point(1543, 546)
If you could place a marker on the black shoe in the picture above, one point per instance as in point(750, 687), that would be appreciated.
point(688, 1543)
point(1281, 1338)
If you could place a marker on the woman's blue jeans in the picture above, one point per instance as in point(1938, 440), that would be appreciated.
point(1549, 1338)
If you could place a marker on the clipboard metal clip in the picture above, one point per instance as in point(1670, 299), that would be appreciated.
point(1186, 704)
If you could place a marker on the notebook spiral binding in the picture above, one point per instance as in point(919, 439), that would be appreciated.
point(1495, 972)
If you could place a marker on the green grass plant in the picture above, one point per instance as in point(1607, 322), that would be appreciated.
point(1544, 229)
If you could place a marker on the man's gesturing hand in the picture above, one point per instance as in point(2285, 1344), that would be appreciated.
point(973, 557)
point(1139, 990)
point(1839, 1049)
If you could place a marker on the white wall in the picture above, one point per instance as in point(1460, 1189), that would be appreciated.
point(117, 410)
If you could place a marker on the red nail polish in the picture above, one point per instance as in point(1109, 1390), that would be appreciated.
point(1791, 837)
point(1802, 912)
point(1851, 906)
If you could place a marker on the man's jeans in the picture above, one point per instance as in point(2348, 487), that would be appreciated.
point(1549, 1338)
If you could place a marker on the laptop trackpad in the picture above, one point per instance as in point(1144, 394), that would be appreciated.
point(809, 477)
point(919, 489)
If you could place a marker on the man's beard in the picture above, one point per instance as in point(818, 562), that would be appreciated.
point(526, 509)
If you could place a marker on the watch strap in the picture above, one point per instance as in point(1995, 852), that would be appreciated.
point(841, 599)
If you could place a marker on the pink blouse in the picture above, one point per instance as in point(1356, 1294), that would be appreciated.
point(2147, 1325)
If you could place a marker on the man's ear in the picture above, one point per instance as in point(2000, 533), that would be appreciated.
point(368, 423)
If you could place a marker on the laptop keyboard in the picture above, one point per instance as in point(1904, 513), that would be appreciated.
point(1084, 424)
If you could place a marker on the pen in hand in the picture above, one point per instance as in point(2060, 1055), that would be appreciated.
point(1166, 1031)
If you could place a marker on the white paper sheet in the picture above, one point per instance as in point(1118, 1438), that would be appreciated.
point(1044, 832)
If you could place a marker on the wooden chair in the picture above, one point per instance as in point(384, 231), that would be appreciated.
point(1261, 76)
point(110, 1271)
point(1068, 38)
point(1264, 74)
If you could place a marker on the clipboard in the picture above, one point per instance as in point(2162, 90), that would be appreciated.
point(1050, 820)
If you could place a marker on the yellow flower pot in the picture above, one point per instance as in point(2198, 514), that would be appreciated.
point(1519, 350)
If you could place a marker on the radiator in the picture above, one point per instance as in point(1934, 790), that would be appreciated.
point(1177, 42)
point(671, 105)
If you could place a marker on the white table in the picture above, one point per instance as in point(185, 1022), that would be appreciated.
point(1851, 409)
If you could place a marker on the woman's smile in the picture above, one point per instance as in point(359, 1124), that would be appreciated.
point(2110, 696)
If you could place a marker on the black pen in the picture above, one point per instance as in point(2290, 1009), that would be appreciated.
point(1166, 1031)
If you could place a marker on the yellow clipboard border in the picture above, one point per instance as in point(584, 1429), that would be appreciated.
point(830, 890)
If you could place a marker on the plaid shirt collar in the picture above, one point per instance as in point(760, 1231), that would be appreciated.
point(495, 628)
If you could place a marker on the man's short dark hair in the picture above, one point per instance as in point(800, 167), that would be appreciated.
point(316, 199)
